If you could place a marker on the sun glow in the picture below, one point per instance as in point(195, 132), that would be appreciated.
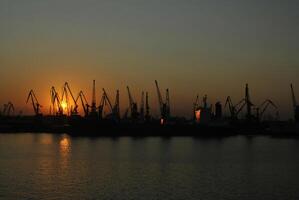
point(63, 105)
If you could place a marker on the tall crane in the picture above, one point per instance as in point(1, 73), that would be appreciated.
point(66, 91)
point(35, 104)
point(263, 107)
point(115, 109)
point(93, 102)
point(104, 101)
point(147, 108)
point(7, 109)
point(142, 105)
point(231, 107)
point(164, 106)
point(84, 103)
point(235, 109)
point(248, 103)
point(295, 105)
point(56, 102)
point(133, 105)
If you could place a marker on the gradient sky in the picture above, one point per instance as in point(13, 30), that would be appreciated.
point(192, 46)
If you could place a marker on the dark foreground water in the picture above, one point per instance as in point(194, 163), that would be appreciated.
point(48, 166)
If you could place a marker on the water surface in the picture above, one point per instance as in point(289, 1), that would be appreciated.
point(49, 166)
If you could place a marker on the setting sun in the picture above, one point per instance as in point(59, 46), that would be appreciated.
point(63, 105)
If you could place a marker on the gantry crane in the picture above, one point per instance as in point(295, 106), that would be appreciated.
point(105, 101)
point(66, 92)
point(93, 111)
point(7, 109)
point(295, 105)
point(115, 109)
point(133, 105)
point(234, 109)
point(147, 108)
point(84, 103)
point(35, 104)
point(56, 102)
point(248, 103)
point(164, 106)
point(142, 106)
point(263, 107)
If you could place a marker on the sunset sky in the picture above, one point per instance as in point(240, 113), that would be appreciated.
point(192, 47)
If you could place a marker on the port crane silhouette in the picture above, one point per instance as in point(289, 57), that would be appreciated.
point(133, 106)
point(8, 109)
point(263, 107)
point(56, 102)
point(84, 103)
point(104, 102)
point(164, 106)
point(295, 105)
point(35, 104)
point(66, 92)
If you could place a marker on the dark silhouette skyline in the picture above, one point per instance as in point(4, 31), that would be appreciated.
point(191, 47)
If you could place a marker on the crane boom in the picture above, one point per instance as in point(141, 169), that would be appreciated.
point(116, 106)
point(159, 96)
point(56, 99)
point(293, 96)
point(84, 103)
point(131, 101)
point(67, 90)
point(147, 114)
point(107, 99)
point(35, 104)
point(142, 105)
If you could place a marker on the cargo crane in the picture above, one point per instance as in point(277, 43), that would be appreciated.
point(133, 106)
point(84, 103)
point(35, 104)
point(248, 103)
point(142, 106)
point(93, 111)
point(263, 107)
point(164, 106)
point(7, 109)
point(56, 102)
point(104, 101)
point(147, 108)
point(66, 92)
point(295, 105)
point(234, 109)
point(115, 109)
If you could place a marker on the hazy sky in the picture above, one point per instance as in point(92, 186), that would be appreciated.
point(191, 46)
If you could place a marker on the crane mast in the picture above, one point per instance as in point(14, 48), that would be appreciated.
point(104, 101)
point(248, 103)
point(164, 106)
point(147, 108)
point(295, 105)
point(93, 102)
point(133, 105)
point(142, 105)
point(55, 99)
point(159, 97)
point(293, 96)
point(35, 104)
point(67, 89)
point(84, 103)
point(115, 111)
point(263, 107)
